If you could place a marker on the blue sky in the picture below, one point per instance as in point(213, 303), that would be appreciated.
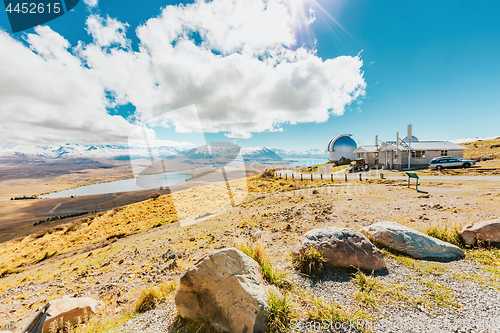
point(433, 64)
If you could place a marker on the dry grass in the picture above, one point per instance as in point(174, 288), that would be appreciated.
point(117, 223)
point(479, 149)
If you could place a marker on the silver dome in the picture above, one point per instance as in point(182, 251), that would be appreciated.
point(413, 139)
point(342, 143)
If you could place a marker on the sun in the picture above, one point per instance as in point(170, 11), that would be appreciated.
point(298, 10)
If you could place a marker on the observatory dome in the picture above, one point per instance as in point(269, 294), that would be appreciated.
point(342, 143)
point(413, 139)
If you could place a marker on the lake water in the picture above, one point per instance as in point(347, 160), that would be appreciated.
point(307, 161)
point(146, 182)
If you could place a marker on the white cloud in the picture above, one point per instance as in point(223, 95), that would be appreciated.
point(107, 32)
point(47, 96)
point(91, 3)
point(235, 60)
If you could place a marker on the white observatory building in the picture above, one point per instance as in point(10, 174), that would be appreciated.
point(341, 146)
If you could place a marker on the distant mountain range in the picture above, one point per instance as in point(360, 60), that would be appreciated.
point(119, 152)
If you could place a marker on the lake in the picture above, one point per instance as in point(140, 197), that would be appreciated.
point(307, 161)
point(146, 182)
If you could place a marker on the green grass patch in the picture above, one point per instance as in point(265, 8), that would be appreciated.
point(451, 236)
point(271, 274)
point(421, 266)
point(442, 296)
point(281, 312)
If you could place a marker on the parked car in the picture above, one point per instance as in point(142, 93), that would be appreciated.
point(450, 162)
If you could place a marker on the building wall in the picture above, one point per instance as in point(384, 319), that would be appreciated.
point(401, 162)
point(335, 156)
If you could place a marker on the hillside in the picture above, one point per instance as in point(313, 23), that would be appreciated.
point(481, 149)
point(119, 254)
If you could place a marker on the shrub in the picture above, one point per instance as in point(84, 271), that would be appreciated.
point(154, 196)
point(47, 256)
point(311, 262)
point(268, 173)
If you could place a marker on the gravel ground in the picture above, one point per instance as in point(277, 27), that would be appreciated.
point(477, 310)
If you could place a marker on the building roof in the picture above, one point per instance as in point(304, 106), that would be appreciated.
point(423, 145)
point(366, 149)
point(436, 145)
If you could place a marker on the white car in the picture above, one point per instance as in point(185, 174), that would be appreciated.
point(450, 162)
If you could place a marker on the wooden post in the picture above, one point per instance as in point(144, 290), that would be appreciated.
point(311, 177)
point(321, 177)
point(331, 177)
point(292, 176)
point(346, 177)
point(381, 176)
point(361, 179)
point(301, 177)
point(286, 176)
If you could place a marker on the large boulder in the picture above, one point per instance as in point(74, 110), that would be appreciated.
point(69, 309)
point(486, 231)
point(225, 287)
point(411, 242)
point(342, 247)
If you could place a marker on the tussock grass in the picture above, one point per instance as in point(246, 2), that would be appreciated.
point(364, 282)
point(281, 312)
point(317, 310)
point(256, 251)
point(451, 236)
point(150, 297)
point(311, 263)
point(197, 325)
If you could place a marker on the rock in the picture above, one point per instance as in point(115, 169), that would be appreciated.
point(225, 287)
point(69, 309)
point(342, 247)
point(411, 242)
point(486, 231)
point(258, 234)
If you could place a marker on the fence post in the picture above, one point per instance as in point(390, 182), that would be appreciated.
point(360, 177)
point(301, 177)
point(331, 177)
point(286, 176)
point(321, 177)
point(311, 177)
point(346, 177)
point(292, 176)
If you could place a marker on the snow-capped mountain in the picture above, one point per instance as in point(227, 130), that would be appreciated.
point(229, 151)
point(76, 150)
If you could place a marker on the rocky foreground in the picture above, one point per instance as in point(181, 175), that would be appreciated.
point(457, 293)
